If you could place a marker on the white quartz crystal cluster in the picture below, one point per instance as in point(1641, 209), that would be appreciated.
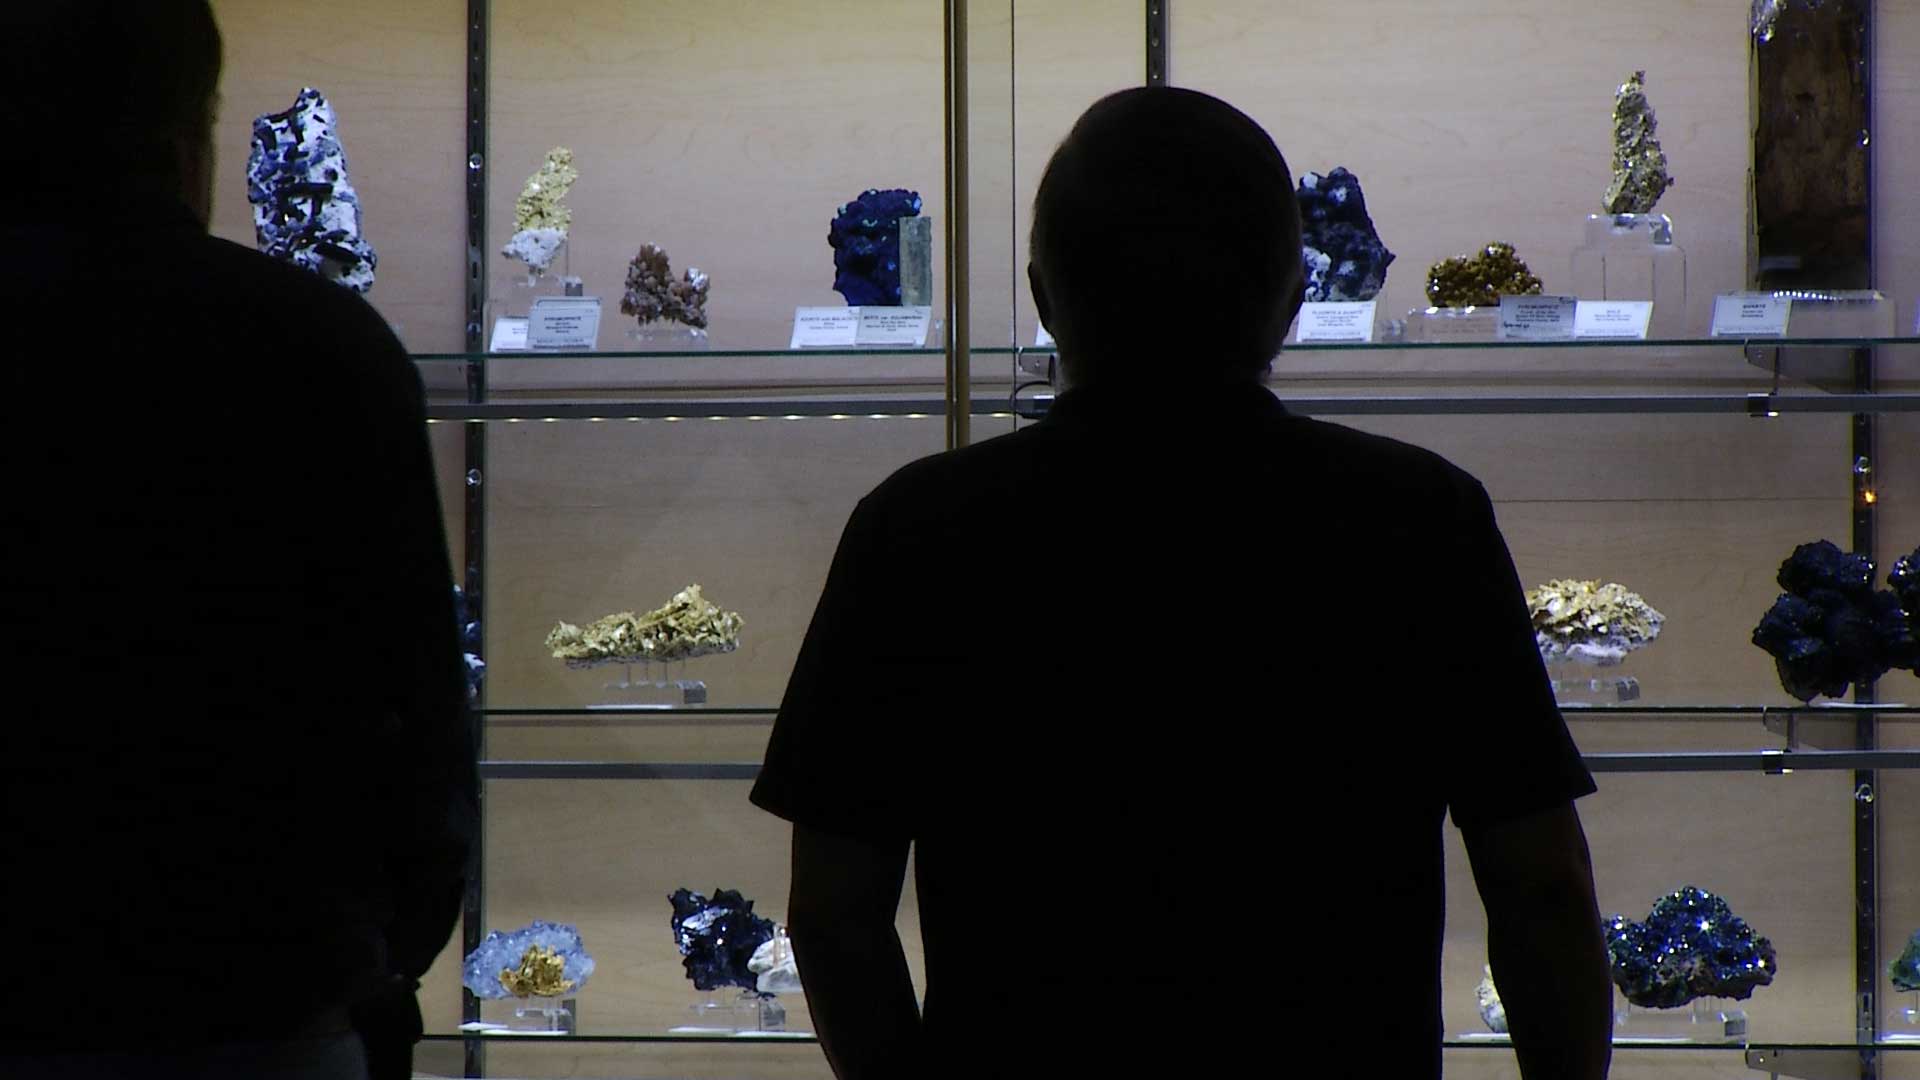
point(1492, 1012)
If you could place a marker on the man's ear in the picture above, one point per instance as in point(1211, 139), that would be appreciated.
point(1041, 302)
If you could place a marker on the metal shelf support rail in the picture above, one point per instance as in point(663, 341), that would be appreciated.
point(473, 914)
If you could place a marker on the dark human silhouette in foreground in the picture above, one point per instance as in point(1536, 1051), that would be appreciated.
point(1171, 693)
point(239, 785)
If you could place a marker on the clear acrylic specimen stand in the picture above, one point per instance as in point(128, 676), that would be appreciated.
point(747, 1014)
point(665, 335)
point(1634, 257)
point(1590, 684)
point(527, 1016)
point(1904, 1024)
point(1704, 1020)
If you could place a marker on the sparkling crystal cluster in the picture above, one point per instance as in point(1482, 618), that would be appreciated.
point(1344, 257)
point(541, 215)
point(305, 210)
point(688, 626)
point(1591, 623)
point(469, 643)
point(1639, 165)
point(1905, 968)
point(719, 938)
point(1691, 946)
point(773, 965)
point(541, 959)
point(1487, 996)
point(652, 294)
point(865, 236)
point(1832, 628)
point(1480, 280)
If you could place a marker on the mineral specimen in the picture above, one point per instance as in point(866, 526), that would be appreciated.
point(688, 626)
point(865, 236)
point(773, 965)
point(1831, 628)
point(1591, 623)
point(719, 938)
point(1691, 946)
point(1639, 165)
point(1492, 1012)
point(540, 214)
point(1480, 280)
point(1905, 579)
point(541, 959)
point(469, 643)
point(1905, 968)
point(1766, 15)
point(1344, 257)
point(653, 294)
point(305, 210)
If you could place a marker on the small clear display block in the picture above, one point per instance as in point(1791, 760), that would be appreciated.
point(526, 1016)
point(1904, 1023)
point(1587, 684)
point(642, 682)
point(747, 1014)
point(1706, 1020)
point(1634, 257)
point(1439, 324)
point(661, 335)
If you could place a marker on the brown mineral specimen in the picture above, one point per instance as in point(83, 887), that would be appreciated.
point(653, 294)
point(1480, 280)
point(1639, 165)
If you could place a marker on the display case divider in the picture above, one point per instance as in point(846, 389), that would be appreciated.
point(473, 486)
point(1157, 42)
point(959, 381)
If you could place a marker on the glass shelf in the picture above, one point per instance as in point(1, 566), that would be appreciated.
point(1450, 1044)
point(1891, 710)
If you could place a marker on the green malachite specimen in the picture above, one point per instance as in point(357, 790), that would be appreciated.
point(1480, 281)
point(1639, 165)
point(1905, 969)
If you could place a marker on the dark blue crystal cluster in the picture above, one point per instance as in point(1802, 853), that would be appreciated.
point(1832, 628)
point(718, 937)
point(469, 643)
point(1905, 968)
point(865, 236)
point(1691, 946)
point(305, 210)
point(1344, 257)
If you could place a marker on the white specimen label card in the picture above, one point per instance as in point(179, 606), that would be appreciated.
point(1537, 318)
point(564, 322)
point(1350, 320)
point(1735, 315)
point(825, 327)
point(1042, 339)
point(1613, 319)
point(509, 334)
point(880, 325)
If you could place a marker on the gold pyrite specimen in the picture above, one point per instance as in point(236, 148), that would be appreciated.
point(541, 204)
point(542, 973)
point(1639, 165)
point(688, 626)
point(1591, 623)
point(1480, 280)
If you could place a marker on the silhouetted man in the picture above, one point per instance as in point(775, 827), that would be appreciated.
point(239, 787)
point(1171, 693)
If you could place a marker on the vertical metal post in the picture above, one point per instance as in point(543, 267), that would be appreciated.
point(1157, 42)
point(473, 907)
point(1866, 786)
point(959, 381)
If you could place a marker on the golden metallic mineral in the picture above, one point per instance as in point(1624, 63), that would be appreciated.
point(1639, 165)
point(1590, 622)
point(542, 973)
point(1480, 281)
point(540, 204)
point(688, 626)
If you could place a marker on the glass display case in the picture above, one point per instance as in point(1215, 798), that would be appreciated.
point(1683, 458)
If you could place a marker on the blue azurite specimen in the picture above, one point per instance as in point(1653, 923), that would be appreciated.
point(1905, 968)
point(1343, 255)
point(305, 210)
point(865, 236)
point(503, 952)
point(469, 643)
point(718, 937)
point(1831, 628)
point(1691, 946)
point(1905, 579)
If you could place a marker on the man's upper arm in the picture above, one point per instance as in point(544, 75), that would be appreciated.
point(1508, 753)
